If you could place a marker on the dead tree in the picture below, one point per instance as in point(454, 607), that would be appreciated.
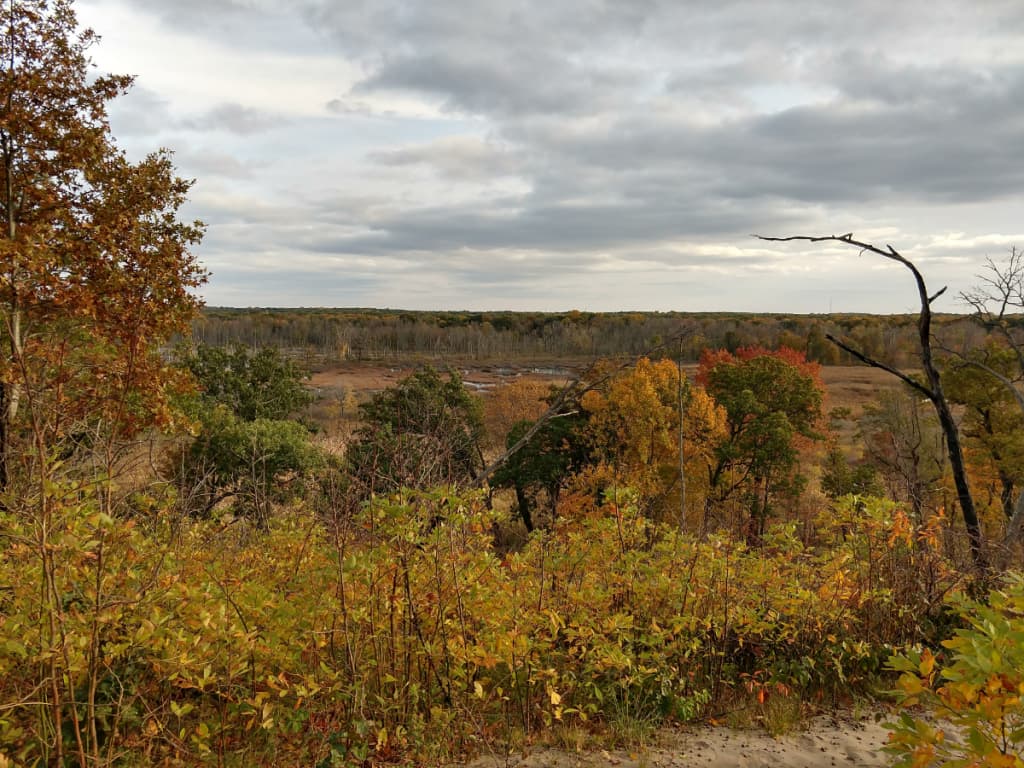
point(931, 388)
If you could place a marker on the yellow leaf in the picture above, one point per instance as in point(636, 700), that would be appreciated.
point(927, 663)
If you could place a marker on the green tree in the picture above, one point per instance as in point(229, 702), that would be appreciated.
point(992, 421)
point(252, 385)
point(839, 477)
point(556, 450)
point(247, 448)
point(772, 401)
point(256, 463)
point(423, 432)
point(820, 349)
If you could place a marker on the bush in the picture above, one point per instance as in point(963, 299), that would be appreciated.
point(975, 686)
point(398, 633)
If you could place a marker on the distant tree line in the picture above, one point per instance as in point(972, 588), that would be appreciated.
point(323, 336)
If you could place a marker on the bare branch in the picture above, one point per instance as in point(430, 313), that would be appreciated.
point(879, 364)
point(933, 391)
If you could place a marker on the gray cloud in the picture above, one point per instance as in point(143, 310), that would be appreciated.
point(235, 118)
point(515, 142)
point(141, 112)
point(458, 157)
point(876, 130)
point(205, 163)
point(245, 24)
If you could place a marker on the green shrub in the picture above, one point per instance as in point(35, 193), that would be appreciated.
point(975, 687)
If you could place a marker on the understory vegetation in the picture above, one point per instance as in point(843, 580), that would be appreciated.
point(400, 635)
point(387, 605)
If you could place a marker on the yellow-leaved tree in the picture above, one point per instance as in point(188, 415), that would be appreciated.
point(634, 432)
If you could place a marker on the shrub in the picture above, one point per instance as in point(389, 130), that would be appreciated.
point(975, 686)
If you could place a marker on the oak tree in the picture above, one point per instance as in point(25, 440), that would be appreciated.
point(95, 266)
point(423, 432)
point(248, 448)
point(95, 274)
point(553, 452)
point(253, 385)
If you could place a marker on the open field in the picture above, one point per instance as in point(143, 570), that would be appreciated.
point(367, 378)
point(850, 386)
point(854, 386)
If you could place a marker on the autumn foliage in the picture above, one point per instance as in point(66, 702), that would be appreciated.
point(402, 635)
point(187, 578)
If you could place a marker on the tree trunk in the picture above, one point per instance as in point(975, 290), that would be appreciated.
point(523, 502)
point(4, 476)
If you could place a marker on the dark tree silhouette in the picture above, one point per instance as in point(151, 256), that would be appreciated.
point(931, 388)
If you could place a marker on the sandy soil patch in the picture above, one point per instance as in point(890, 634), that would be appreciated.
point(828, 742)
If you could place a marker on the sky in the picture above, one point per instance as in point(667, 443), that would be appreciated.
point(595, 154)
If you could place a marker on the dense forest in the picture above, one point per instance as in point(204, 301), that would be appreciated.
point(194, 570)
point(326, 336)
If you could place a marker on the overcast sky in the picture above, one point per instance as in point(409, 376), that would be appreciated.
point(590, 154)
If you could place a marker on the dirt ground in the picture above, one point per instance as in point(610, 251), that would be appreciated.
point(830, 741)
point(366, 379)
point(853, 386)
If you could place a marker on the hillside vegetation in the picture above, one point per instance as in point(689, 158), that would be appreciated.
point(197, 569)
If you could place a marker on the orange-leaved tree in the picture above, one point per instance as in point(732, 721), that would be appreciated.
point(95, 267)
point(95, 274)
point(508, 404)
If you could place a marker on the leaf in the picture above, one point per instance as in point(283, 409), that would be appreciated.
point(927, 663)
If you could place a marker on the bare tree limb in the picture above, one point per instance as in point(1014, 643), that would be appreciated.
point(933, 391)
point(867, 360)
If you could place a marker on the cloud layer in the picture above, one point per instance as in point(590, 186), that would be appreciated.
point(604, 155)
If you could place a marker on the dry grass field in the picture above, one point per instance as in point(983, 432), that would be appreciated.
point(848, 386)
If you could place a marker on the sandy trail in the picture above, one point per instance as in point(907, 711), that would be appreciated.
point(828, 742)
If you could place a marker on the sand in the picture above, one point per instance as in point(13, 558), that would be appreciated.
point(827, 742)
